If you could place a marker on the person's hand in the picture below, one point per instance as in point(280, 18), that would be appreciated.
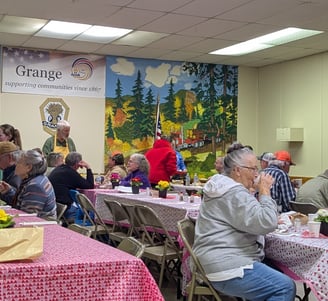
point(4, 187)
point(264, 184)
point(83, 164)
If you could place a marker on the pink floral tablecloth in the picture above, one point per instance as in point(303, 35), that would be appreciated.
point(169, 210)
point(303, 259)
point(74, 267)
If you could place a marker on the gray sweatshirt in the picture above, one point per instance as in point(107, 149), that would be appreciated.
point(231, 224)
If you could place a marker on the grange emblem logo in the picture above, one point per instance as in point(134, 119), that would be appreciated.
point(52, 111)
point(82, 69)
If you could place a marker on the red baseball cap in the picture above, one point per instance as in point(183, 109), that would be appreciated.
point(283, 155)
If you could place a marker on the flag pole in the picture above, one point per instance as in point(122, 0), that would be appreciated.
point(157, 119)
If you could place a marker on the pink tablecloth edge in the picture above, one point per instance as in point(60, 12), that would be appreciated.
point(295, 277)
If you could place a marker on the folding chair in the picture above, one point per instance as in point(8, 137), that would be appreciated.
point(79, 218)
point(98, 228)
point(304, 208)
point(131, 246)
point(61, 208)
point(199, 284)
point(60, 212)
point(120, 220)
point(135, 227)
point(80, 229)
point(163, 249)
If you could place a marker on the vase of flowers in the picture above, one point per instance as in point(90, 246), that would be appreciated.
point(115, 180)
point(322, 216)
point(162, 187)
point(135, 185)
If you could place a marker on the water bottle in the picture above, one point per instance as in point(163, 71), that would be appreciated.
point(297, 225)
point(192, 199)
point(195, 181)
point(97, 181)
point(187, 179)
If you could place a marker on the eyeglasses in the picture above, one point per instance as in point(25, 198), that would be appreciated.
point(254, 169)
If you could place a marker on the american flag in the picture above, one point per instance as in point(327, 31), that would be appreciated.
point(158, 127)
point(158, 130)
point(22, 55)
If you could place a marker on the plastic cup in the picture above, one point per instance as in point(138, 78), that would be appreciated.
point(311, 217)
point(314, 228)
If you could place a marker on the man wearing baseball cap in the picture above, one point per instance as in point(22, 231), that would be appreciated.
point(282, 190)
point(8, 156)
point(265, 158)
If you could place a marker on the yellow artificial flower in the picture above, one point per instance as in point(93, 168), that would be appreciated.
point(162, 185)
point(4, 216)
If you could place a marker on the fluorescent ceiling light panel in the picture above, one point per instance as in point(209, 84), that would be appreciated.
point(140, 38)
point(20, 25)
point(62, 30)
point(102, 34)
point(270, 40)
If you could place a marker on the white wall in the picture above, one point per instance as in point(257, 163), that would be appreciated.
point(86, 117)
point(292, 94)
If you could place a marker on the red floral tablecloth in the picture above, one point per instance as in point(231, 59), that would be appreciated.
point(74, 267)
point(304, 259)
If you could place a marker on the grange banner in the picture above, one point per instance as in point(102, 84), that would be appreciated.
point(52, 73)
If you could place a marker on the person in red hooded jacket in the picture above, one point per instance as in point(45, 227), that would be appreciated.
point(162, 161)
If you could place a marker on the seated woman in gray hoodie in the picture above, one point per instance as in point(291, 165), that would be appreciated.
point(230, 231)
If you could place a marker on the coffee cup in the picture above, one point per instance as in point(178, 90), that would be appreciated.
point(314, 228)
point(312, 216)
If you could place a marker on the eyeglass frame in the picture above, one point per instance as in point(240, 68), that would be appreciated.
point(254, 169)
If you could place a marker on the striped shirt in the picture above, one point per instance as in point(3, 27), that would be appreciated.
point(282, 190)
point(36, 195)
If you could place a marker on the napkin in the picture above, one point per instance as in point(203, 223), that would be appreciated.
point(38, 223)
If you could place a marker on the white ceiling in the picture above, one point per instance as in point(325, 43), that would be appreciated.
point(178, 30)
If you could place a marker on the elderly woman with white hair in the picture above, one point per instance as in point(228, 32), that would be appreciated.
point(230, 229)
point(138, 167)
point(35, 194)
point(60, 142)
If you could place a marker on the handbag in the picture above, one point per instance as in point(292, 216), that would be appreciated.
point(21, 243)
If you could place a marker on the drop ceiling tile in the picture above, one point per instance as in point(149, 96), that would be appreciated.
point(208, 45)
point(157, 5)
point(175, 42)
point(44, 43)
point(296, 16)
point(298, 53)
point(131, 18)
point(10, 39)
point(79, 46)
point(172, 23)
point(179, 56)
point(212, 28)
point(247, 32)
point(256, 10)
point(149, 52)
point(120, 50)
point(209, 8)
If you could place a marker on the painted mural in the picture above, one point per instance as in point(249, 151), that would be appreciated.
point(193, 103)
